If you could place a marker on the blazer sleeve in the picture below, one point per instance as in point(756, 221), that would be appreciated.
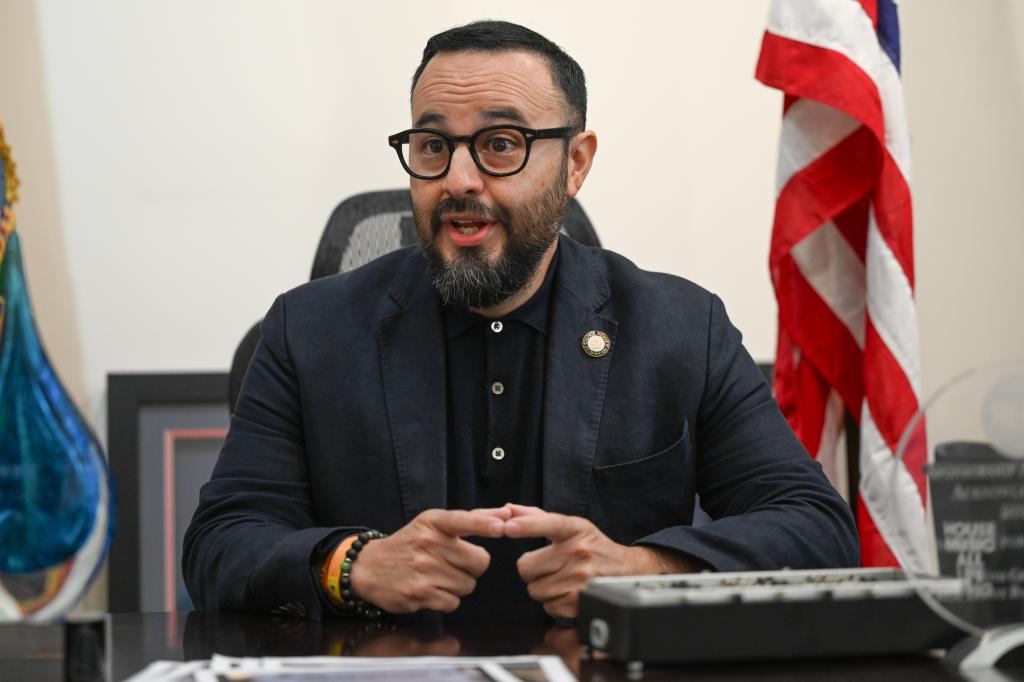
point(771, 505)
point(253, 540)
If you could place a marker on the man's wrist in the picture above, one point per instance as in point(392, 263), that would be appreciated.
point(344, 556)
point(358, 576)
point(658, 560)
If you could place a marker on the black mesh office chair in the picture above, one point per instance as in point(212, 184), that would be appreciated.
point(367, 226)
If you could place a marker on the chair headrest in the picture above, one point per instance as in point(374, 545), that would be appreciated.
point(369, 225)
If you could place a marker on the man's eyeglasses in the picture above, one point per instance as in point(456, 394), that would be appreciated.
point(499, 150)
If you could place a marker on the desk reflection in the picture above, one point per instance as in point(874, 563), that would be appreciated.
point(239, 634)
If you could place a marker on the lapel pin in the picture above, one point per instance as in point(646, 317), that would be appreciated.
point(596, 343)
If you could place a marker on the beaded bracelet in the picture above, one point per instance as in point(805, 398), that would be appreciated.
point(349, 602)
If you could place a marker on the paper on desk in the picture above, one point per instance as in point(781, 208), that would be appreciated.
point(169, 671)
point(413, 668)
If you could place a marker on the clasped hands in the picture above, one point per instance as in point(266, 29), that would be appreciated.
point(427, 564)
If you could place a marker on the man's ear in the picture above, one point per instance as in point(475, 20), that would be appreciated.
point(582, 148)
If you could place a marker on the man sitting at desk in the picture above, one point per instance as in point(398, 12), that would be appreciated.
point(417, 396)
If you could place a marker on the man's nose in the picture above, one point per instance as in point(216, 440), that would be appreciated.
point(463, 175)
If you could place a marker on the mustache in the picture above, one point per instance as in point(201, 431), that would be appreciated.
point(468, 204)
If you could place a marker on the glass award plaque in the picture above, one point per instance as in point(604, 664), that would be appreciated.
point(56, 498)
point(964, 450)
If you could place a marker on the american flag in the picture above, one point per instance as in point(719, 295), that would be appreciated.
point(842, 258)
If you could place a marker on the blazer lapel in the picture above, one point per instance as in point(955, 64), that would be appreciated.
point(575, 383)
point(413, 370)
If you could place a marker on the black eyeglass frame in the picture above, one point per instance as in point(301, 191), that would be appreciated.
point(529, 134)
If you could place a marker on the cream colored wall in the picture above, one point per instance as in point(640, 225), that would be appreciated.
point(180, 158)
point(964, 82)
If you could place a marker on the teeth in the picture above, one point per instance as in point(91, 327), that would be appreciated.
point(467, 227)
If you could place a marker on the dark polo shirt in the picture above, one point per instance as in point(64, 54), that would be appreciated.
point(495, 371)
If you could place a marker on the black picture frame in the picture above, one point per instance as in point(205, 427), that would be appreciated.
point(127, 394)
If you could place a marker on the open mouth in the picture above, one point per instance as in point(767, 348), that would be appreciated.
point(468, 230)
point(468, 226)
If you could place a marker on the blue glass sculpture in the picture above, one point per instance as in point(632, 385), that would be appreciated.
point(56, 498)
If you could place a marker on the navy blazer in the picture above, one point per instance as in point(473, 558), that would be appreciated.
point(341, 424)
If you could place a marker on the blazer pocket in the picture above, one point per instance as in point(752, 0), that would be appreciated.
point(634, 499)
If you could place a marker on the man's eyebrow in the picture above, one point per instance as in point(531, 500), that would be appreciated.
point(428, 118)
point(508, 114)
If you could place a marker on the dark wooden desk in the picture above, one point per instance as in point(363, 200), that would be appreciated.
point(140, 638)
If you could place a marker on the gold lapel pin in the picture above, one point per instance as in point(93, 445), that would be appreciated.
point(596, 343)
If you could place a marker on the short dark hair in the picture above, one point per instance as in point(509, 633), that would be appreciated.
point(503, 36)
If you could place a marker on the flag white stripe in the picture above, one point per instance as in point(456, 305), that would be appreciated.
point(894, 500)
point(842, 26)
point(809, 129)
point(890, 303)
point(834, 270)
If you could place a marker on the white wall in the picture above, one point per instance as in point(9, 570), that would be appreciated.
point(180, 158)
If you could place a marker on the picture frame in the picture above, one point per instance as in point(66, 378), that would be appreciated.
point(162, 429)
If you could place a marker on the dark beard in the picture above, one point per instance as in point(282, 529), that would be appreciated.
point(469, 280)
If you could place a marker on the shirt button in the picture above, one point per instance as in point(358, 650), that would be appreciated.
point(497, 388)
point(497, 326)
point(498, 453)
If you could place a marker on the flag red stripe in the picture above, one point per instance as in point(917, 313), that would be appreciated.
point(821, 336)
point(824, 75)
point(850, 224)
point(802, 395)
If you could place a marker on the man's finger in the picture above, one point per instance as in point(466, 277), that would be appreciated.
point(466, 556)
point(458, 583)
point(554, 527)
point(437, 599)
point(459, 523)
point(565, 606)
point(504, 513)
point(549, 587)
point(540, 562)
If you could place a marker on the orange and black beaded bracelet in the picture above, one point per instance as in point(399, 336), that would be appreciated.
point(337, 580)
